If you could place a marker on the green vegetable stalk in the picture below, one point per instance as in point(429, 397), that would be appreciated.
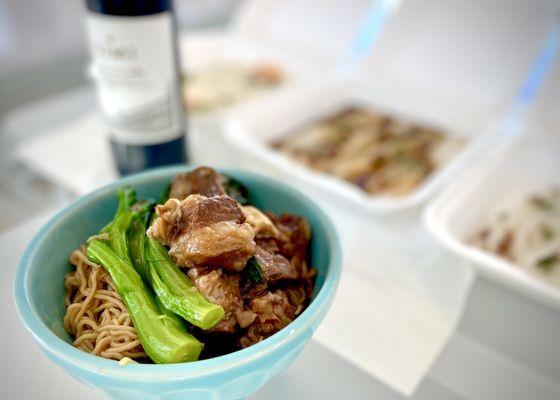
point(163, 337)
point(137, 242)
point(173, 288)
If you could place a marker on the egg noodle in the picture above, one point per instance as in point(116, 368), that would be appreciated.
point(96, 316)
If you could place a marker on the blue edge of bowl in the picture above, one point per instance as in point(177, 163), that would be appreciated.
point(67, 354)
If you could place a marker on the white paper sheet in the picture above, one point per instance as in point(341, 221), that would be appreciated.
point(75, 155)
point(401, 296)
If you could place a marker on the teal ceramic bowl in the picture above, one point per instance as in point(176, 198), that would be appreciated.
point(39, 293)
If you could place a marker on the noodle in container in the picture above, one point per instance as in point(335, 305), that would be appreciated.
point(40, 291)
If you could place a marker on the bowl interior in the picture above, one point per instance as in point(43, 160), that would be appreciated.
point(46, 261)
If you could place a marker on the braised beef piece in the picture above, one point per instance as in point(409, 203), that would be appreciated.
point(178, 217)
point(250, 289)
point(275, 267)
point(292, 243)
point(268, 244)
point(260, 222)
point(273, 312)
point(298, 295)
point(278, 270)
point(223, 244)
point(223, 289)
point(295, 235)
point(204, 231)
point(203, 180)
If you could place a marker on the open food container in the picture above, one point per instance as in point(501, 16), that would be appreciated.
point(271, 45)
point(426, 71)
point(503, 214)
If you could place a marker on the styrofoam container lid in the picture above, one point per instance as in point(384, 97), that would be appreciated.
point(478, 50)
point(321, 30)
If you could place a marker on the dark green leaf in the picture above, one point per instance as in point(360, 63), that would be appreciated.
point(236, 190)
point(254, 270)
point(545, 264)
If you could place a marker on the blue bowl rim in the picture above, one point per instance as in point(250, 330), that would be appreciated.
point(100, 366)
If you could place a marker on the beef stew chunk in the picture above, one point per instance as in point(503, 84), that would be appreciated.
point(204, 181)
point(275, 267)
point(261, 223)
point(204, 231)
point(295, 235)
point(223, 289)
point(273, 312)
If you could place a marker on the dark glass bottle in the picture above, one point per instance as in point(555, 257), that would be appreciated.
point(135, 64)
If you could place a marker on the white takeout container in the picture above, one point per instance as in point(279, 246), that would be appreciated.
point(253, 129)
point(279, 33)
point(414, 72)
point(530, 163)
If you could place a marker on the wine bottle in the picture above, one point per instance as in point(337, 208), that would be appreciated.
point(135, 65)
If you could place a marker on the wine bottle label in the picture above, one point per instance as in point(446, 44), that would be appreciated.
point(136, 75)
